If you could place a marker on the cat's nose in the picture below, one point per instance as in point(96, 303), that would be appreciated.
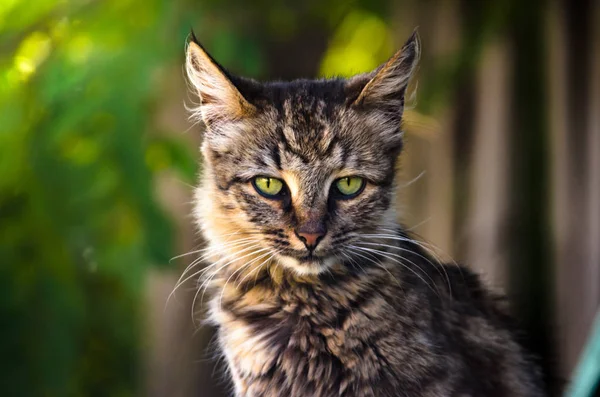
point(311, 233)
point(310, 240)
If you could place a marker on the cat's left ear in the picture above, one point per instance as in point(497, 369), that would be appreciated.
point(386, 85)
point(220, 100)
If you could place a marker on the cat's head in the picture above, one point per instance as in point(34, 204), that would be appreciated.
point(295, 172)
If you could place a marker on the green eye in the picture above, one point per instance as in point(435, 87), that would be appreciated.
point(268, 187)
point(350, 186)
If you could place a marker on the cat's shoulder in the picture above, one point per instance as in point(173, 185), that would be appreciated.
point(466, 292)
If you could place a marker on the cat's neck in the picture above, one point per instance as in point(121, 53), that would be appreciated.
point(282, 292)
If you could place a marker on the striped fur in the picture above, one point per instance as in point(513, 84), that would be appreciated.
point(369, 312)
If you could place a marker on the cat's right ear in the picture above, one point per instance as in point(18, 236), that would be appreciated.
point(220, 100)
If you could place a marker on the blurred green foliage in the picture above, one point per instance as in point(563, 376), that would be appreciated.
point(79, 222)
point(359, 44)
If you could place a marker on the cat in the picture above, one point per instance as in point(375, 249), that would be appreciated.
point(315, 288)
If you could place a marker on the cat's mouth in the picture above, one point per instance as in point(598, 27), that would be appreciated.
point(306, 262)
point(310, 257)
point(305, 255)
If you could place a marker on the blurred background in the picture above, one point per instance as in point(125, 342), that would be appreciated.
point(98, 160)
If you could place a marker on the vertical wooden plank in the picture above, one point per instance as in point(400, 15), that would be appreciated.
point(444, 35)
point(428, 202)
point(413, 160)
point(558, 125)
point(486, 219)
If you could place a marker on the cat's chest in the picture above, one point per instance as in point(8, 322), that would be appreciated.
point(303, 337)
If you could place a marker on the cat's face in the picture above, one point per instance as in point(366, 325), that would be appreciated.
point(295, 172)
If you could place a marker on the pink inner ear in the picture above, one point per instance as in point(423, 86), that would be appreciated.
point(220, 99)
point(389, 81)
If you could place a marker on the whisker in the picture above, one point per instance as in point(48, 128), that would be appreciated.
point(186, 254)
point(269, 252)
point(233, 257)
point(182, 281)
point(416, 226)
point(424, 246)
point(415, 179)
point(445, 273)
point(226, 244)
point(430, 249)
point(354, 249)
point(206, 282)
point(200, 259)
point(387, 255)
point(353, 262)
point(258, 267)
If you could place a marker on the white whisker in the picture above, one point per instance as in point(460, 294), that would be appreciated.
point(269, 252)
point(197, 261)
point(218, 270)
point(445, 273)
point(390, 256)
point(355, 250)
point(415, 179)
point(258, 267)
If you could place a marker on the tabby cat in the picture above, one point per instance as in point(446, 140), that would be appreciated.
point(315, 289)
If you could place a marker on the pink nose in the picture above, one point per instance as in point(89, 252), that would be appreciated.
point(310, 239)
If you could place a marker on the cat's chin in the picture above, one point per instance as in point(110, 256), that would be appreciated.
point(308, 265)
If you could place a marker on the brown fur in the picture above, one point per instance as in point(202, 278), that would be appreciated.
point(368, 312)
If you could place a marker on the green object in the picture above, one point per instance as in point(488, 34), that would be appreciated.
point(79, 223)
point(587, 374)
